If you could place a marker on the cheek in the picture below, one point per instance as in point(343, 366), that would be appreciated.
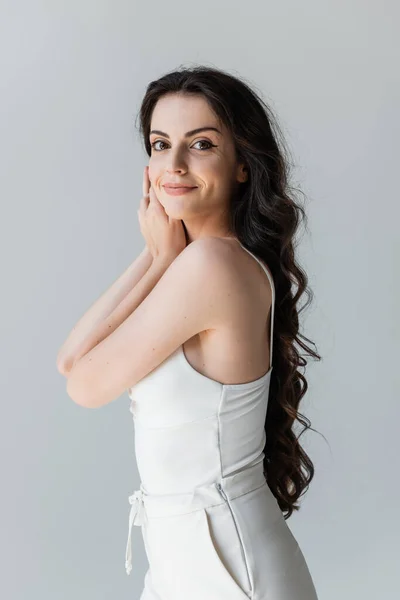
point(156, 163)
point(212, 166)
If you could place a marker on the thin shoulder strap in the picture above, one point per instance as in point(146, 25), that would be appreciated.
point(271, 281)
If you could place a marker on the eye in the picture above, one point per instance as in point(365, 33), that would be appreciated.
point(153, 145)
point(209, 145)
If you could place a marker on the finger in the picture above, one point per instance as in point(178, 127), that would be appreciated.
point(154, 201)
point(152, 195)
point(145, 200)
point(143, 204)
point(146, 181)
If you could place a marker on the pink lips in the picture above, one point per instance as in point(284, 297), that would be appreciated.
point(175, 185)
point(173, 190)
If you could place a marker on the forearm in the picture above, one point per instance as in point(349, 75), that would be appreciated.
point(128, 305)
point(82, 334)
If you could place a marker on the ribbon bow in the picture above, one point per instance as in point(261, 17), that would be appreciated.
point(136, 517)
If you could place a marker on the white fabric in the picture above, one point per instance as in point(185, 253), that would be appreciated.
point(212, 529)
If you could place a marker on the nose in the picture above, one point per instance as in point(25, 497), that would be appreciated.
point(175, 169)
point(176, 163)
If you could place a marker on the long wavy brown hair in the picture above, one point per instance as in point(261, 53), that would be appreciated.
point(265, 217)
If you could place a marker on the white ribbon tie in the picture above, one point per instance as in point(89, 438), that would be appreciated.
point(136, 517)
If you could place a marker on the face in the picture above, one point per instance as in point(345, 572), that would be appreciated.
point(205, 159)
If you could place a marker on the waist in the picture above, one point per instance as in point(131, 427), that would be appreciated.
point(242, 482)
point(144, 506)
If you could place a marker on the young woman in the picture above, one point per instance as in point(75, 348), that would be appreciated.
point(201, 330)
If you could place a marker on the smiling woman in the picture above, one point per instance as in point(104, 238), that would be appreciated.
point(205, 345)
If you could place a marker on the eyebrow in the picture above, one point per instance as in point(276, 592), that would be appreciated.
point(189, 133)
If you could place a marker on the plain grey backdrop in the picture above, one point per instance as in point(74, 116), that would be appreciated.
point(72, 78)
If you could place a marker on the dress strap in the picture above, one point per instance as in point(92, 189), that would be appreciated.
point(271, 281)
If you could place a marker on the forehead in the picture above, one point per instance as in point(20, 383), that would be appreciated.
point(177, 113)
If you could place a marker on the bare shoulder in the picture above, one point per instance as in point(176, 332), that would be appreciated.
point(210, 249)
point(225, 258)
point(210, 263)
point(209, 260)
point(237, 281)
point(240, 294)
point(229, 258)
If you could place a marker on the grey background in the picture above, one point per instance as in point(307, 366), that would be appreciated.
point(72, 78)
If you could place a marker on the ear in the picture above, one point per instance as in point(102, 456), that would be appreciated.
point(242, 173)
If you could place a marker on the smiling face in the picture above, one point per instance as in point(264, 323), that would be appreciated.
point(205, 159)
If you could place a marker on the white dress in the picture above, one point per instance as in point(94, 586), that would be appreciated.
point(211, 527)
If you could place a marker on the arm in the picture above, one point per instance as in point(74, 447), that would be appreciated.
point(192, 295)
point(81, 338)
point(120, 314)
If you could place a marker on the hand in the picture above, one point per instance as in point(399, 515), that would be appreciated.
point(165, 237)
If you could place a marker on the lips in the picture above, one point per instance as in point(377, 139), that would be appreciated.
point(178, 186)
point(178, 191)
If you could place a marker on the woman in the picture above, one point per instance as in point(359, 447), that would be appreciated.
point(190, 329)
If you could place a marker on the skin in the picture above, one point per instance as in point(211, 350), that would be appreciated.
point(193, 161)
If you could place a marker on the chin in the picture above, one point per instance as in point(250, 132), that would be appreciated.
point(175, 210)
point(175, 214)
